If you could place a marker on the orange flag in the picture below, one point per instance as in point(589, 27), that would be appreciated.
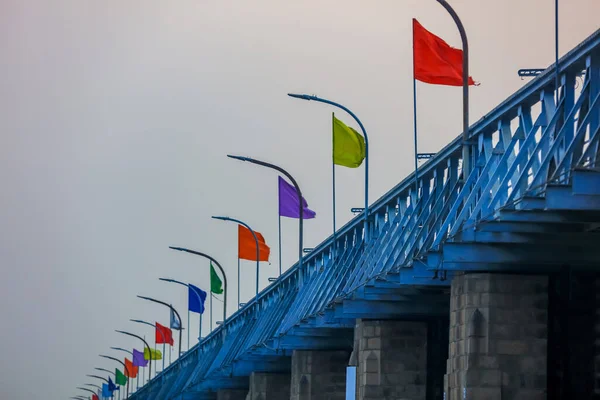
point(247, 245)
point(130, 370)
point(434, 61)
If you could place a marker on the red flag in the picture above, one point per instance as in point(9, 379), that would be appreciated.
point(434, 61)
point(163, 334)
point(95, 397)
point(130, 370)
point(247, 245)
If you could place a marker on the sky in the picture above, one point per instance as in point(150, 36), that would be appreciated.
point(116, 118)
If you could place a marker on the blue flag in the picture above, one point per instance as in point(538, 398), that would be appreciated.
point(105, 391)
point(111, 386)
point(174, 321)
point(196, 304)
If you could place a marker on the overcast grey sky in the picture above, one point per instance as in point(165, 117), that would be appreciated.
point(116, 116)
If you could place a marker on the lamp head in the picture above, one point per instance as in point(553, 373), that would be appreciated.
point(220, 218)
point(300, 96)
point(177, 248)
point(166, 279)
point(241, 158)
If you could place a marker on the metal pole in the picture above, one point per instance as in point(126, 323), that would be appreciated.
point(415, 123)
point(300, 206)
point(257, 249)
point(148, 346)
point(172, 309)
point(211, 313)
point(218, 266)
point(557, 83)
point(465, 44)
point(238, 282)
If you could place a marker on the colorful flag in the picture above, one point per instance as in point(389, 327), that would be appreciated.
point(152, 355)
point(163, 335)
point(288, 202)
point(131, 369)
point(349, 149)
point(111, 386)
point(434, 60)
point(138, 360)
point(175, 322)
point(247, 245)
point(216, 286)
point(196, 299)
point(120, 378)
point(105, 391)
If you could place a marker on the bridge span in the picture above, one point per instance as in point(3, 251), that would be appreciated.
point(476, 287)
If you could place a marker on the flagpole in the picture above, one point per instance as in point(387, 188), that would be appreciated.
point(362, 128)
point(238, 281)
point(333, 183)
point(300, 207)
point(147, 345)
point(172, 309)
point(257, 252)
point(465, 44)
point(211, 313)
point(415, 120)
point(279, 215)
point(225, 288)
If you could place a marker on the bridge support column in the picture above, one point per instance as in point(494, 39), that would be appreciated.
point(392, 360)
point(231, 394)
point(498, 337)
point(267, 386)
point(319, 375)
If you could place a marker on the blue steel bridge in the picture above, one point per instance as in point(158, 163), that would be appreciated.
point(479, 287)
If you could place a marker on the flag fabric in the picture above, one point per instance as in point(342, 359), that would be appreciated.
point(434, 60)
point(120, 378)
point(95, 397)
point(132, 369)
point(152, 355)
point(111, 385)
point(216, 286)
point(138, 360)
point(105, 391)
point(163, 334)
point(349, 149)
point(247, 245)
point(288, 202)
point(196, 304)
point(175, 323)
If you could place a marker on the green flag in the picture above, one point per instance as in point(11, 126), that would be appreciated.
point(216, 286)
point(349, 148)
point(120, 379)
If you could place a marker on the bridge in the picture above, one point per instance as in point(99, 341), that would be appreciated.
point(476, 287)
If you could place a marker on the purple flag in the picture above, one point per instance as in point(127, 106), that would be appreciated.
point(288, 202)
point(138, 359)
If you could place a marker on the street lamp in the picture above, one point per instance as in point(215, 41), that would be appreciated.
point(225, 288)
point(172, 309)
point(364, 131)
point(139, 321)
point(137, 379)
point(199, 301)
point(149, 350)
point(257, 257)
point(124, 366)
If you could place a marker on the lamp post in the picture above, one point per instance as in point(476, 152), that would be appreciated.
point(124, 366)
point(300, 203)
point(139, 321)
point(199, 302)
point(466, 154)
point(364, 131)
point(137, 379)
point(149, 350)
point(172, 309)
point(257, 257)
point(218, 266)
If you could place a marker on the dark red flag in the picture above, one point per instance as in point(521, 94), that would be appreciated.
point(166, 333)
point(434, 61)
point(95, 397)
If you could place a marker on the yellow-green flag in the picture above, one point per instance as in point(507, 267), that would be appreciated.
point(348, 145)
point(153, 355)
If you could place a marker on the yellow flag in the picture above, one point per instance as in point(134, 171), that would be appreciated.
point(349, 148)
point(154, 354)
